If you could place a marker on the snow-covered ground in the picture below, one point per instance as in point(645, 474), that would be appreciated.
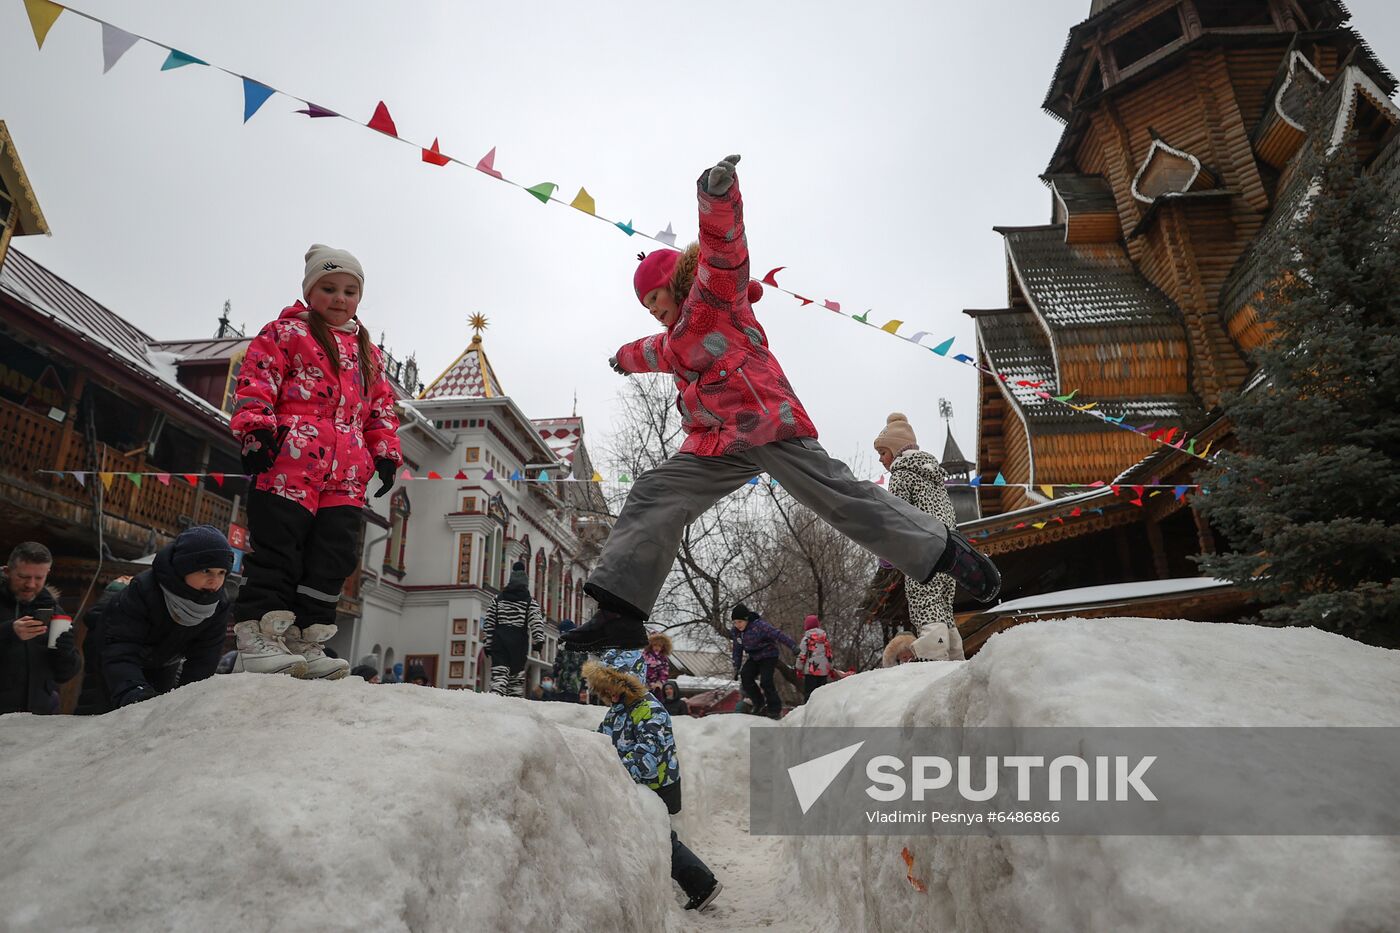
point(252, 802)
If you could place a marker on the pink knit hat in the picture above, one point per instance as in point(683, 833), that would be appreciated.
point(654, 271)
point(810, 623)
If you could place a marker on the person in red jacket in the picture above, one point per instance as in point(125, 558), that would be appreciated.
point(741, 417)
point(314, 413)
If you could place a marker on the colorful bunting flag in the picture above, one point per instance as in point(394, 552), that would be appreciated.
point(667, 236)
point(753, 481)
point(598, 477)
point(830, 305)
point(191, 478)
point(892, 327)
point(81, 478)
point(943, 348)
point(624, 478)
point(1065, 398)
point(487, 165)
point(804, 301)
point(163, 478)
point(405, 475)
point(115, 43)
point(254, 96)
point(626, 228)
point(490, 474)
point(1000, 480)
point(544, 476)
point(863, 318)
point(434, 474)
point(515, 476)
point(218, 479)
point(316, 110)
point(178, 59)
point(975, 481)
point(770, 279)
point(434, 156)
point(106, 480)
point(583, 201)
point(135, 479)
point(1048, 491)
point(919, 336)
point(42, 15)
point(382, 122)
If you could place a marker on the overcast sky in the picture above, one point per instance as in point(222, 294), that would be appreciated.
point(881, 142)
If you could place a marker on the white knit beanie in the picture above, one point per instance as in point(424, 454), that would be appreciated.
point(897, 434)
point(322, 260)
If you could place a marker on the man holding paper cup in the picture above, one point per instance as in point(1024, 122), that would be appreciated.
point(37, 652)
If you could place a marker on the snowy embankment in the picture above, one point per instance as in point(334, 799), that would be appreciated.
point(255, 802)
point(252, 802)
point(1115, 672)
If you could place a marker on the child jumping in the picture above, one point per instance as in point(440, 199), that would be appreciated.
point(741, 417)
point(641, 731)
point(315, 417)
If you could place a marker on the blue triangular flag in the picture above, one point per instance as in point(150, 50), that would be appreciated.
point(544, 476)
point(943, 348)
point(178, 59)
point(625, 227)
point(999, 481)
point(753, 481)
point(254, 96)
point(963, 358)
point(515, 476)
point(975, 481)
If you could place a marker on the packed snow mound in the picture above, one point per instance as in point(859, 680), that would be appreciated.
point(1115, 672)
point(251, 802)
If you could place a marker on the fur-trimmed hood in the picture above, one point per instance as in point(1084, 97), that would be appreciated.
point(662, 643)
point(603, 679)
point(897, 644)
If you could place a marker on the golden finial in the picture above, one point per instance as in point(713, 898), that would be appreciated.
point(478, 323)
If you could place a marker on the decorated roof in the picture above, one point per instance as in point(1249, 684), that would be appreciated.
point(1017, 347)
point(561, 434)
point(1079, 289)
point(469, 376)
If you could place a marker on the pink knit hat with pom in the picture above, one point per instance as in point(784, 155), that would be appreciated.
point(810, 623)
point(654, 271)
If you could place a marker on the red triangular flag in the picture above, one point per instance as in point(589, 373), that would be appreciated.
point(805, 301)
point(192, 478)
point(460, 475)
point(382, 122)
point(218, 479)
point(1075, 512)
point(1115, 489)
point(1138, 490)
point(1137, 502)
point(164, 478)
point(434, 155)
point(434, 474)
point(769, 278)
point(488, 164)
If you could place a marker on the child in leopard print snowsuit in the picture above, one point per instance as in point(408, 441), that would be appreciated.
point(917, 478)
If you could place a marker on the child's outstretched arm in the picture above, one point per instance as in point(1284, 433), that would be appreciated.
point(647, 355)
point(724, 249)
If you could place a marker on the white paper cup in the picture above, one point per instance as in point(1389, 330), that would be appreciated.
point(57, 626)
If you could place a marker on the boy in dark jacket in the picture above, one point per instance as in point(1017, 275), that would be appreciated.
point(94, 700)
point(760, 641)
point(30, 671)
point(175, 612)
point(640, 729)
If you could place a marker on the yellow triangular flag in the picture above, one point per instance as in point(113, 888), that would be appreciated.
point(597, 477)
point(42, 14)
point(106, 480)
point(1038, 525)
point(892, 327)
point(1049, 491)
point(583, 201)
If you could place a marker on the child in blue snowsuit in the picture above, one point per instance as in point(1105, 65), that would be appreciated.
point(640, 729)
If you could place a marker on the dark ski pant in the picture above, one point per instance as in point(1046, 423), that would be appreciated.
point(300, 559)
point(643, 543)
point(756, 676)
point(687, 870)
point(810, 683)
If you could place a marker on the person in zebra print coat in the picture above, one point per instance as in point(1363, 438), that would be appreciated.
point(513, 624)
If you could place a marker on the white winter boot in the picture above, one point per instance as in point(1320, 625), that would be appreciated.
point(308, 644)
point(261, 649)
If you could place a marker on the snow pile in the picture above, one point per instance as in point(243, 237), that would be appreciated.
point(260, 802)
point(1116, 672)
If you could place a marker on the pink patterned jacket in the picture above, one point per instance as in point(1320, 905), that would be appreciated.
point(733, 394)
point(335, 427)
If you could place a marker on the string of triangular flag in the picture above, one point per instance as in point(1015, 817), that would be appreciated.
point(117, 41)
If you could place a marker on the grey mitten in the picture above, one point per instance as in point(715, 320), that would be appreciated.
point(616, 366)
point(722, 175)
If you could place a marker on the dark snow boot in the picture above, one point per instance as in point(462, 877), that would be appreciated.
point(973, 570)
point(607, 629)
point(704, 898)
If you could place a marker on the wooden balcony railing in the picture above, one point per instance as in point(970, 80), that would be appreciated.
point(30, 442)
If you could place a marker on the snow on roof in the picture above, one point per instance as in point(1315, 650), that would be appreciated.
point(1111, 593)
point(30, 283)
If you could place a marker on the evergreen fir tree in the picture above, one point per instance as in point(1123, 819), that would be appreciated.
point(1310, 501)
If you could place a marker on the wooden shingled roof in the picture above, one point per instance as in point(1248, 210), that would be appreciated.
point(1084, 291)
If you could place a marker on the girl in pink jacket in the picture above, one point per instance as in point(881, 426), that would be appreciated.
point(741, 418)
point(314, 414)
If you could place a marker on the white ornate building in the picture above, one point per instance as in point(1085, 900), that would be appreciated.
point(442, 549)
